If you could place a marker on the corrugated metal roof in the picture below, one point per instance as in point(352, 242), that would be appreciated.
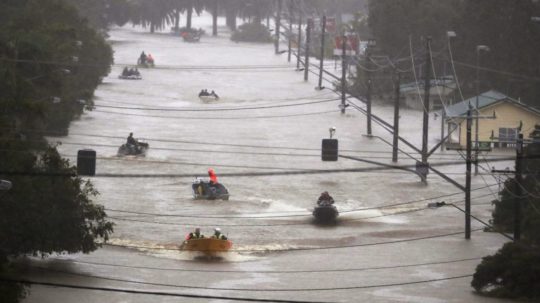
point(484, 99)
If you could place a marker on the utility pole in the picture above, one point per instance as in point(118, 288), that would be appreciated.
point(479, 48)
point(291, 20)
point(468, 178)
point(427, 89)
point(323, 32)
point(443, 116)
point(299, 46)
point(343, 72)
point(368, 95)
point(278, 24)
point(396, 117)
point(519, 191)
point(308, 41)
point(214, 18)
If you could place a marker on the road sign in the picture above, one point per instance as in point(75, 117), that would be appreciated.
point(351, 45)
point(422, 168)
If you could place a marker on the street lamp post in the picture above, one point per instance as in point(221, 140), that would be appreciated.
point(479, 48)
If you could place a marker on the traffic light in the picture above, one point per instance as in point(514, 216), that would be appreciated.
point(329, 149)
point(86, 162)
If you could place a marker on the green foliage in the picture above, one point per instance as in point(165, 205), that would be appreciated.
point(11, 293)
point(50, 52)
point(513, 272)
point(503, 214)
point(51, 211)
point(50, 58)
point(252, 32)
point(102, 13)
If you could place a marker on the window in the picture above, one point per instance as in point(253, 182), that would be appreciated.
point(508, 135)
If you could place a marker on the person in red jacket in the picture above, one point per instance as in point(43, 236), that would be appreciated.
point(213, 177)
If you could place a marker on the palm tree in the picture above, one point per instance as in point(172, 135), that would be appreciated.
point(193, 5)
point(155, 13)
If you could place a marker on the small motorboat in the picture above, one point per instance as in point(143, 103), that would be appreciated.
point(130, 77)
point(133, 150)
point(204, 190)
point(208, 98)
point(208, 246)
point(325, 212)
point(191, 36)
point(146, 64)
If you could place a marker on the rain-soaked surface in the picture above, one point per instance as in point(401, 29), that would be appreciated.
point(277, 253)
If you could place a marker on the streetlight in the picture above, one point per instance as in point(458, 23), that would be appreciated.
point(479, 48)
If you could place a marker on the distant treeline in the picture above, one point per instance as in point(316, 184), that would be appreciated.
point(158, 14)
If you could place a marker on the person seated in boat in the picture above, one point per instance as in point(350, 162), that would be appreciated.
point(136, 72)
point(325, 199)
point(142, 58)
point(131, 140)
point(204, 92)
point(150, 59)
point(214, 94)
point(218, 234)
point(213, 177)
point(196, 234)
point(125, 72)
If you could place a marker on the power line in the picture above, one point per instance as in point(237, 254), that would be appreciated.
point(142, 292)
point(253, 216)
point(280, 224)
point(219, 118)
point(165, 140)
point(215, 109)
point(354, 269)
point(258, 290)
point(305, 248)
point(487, 69)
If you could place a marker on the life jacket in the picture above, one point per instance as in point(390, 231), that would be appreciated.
point(220, 237)
point(213, 176)
point(195, 236)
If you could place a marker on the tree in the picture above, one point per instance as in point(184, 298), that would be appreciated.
point(155, 14)
point(53, 60)
point(50, 59)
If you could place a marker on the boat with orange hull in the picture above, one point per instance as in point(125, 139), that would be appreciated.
point(208, 246)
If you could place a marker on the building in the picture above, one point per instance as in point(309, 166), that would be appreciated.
point(441, 87)
point(500, 118)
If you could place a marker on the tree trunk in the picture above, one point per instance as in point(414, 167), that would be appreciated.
point(189, 14)
point(214, 18)
point(177, 20)
point(152, 27)
point(230, 17)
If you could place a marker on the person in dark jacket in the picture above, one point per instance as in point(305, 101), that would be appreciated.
point(196, 234)
point(325, 199)
point(218, 234)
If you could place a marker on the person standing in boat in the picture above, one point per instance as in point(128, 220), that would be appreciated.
point(131, 140)
point(213, 177)
point(142, 58)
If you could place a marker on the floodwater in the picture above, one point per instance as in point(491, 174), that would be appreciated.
point(404, 253)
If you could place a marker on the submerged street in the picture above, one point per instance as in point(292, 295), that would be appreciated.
point(387, 245)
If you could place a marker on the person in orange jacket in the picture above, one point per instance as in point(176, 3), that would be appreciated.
point(213, 177)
